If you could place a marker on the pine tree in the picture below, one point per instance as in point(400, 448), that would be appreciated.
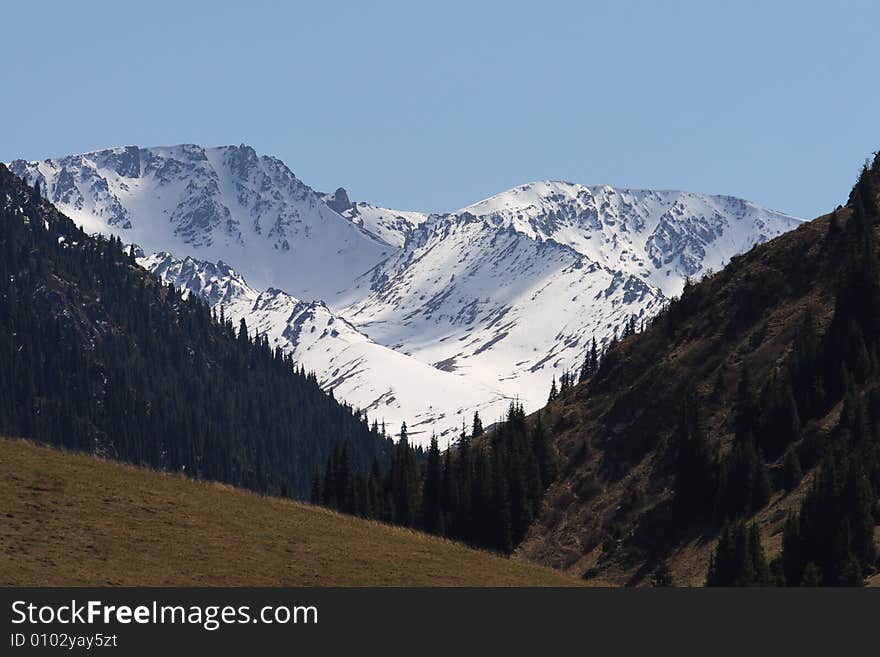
point(404, 481)
point(836, 521)
point(743, 483)
point(315, 497)
point(243, 332)
point(759, 562)
point(502, 525)
point(851, 574)
point(374, 491)
point(594, 357)
point(694, 466)
point(662, 575)
point(450, 497)
point(432, 512)
point(812, 577)
point(543, 455)
point(780, 422)
point(738, 559)
point(591, 362)
point(477, 430)
point(554, 393)
point(466, 509)
point(792, 559)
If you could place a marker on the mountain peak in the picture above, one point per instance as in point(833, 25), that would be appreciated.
point(662, 236)
point(224, 203)
point(339, 200)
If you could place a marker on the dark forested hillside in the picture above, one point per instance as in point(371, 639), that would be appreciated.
point(736, 440)
point(484, 491)
point(97, 355)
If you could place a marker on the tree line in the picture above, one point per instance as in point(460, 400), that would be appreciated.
point(98, 355)
point(484, 490)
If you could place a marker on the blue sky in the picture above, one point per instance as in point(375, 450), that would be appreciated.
point(431, 106)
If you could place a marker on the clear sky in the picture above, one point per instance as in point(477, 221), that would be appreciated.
point(431, 106)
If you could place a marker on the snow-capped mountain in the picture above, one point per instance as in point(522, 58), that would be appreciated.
point(389, 385)
point(390, 226)
point(223, 203)
point(660, 236)
point(415, 317)
point(511, 290)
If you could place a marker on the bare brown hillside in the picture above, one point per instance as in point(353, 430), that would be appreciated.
point(609, 515)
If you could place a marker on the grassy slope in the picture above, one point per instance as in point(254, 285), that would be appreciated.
point(72, 519)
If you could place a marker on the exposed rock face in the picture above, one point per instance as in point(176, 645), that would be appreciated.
point(339, 201)
point(225, 203)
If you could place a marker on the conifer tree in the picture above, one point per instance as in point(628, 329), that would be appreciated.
point(404, 481)
point(792, 559)
point(780, 422)
point(585, 369)
point(759, 561)
point(594, 357)
point(243, 332)
point(662, 575)
point(374, 490)
point(738, 559)
point(694, 466)
point(544, 457)
point(432, 513)
point(812, 577)
point(450, 497)
point(315, 497)
point(743, 483)
point(477, 430)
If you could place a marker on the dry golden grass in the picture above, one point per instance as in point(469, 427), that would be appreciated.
point(74, 520)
